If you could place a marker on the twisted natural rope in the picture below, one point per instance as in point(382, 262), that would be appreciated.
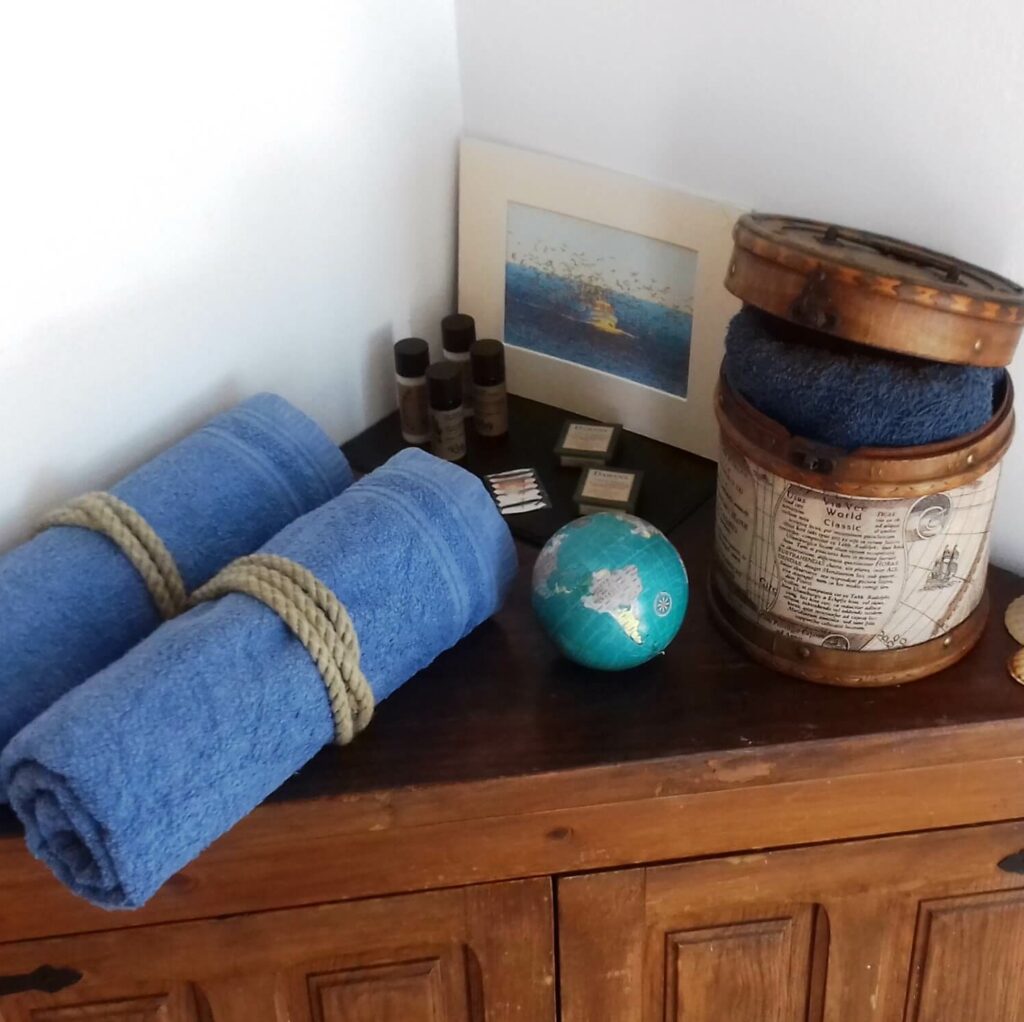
point(128, 530)
point(316, 618)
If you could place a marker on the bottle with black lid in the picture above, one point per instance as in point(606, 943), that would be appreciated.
point(490, 400)
point(458, 332)
point(447, 425)
point(412, 356)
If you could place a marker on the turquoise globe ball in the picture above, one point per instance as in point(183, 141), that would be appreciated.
point(610, 590)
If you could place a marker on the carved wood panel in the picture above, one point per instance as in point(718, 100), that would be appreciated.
point(424, 984)
point(458, 955)
point(743, 970)
point(629, 951)
point(174, 1006)
point(419, 990)
point(143, 1009)
point(969, 959)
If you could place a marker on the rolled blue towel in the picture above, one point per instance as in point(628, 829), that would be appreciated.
point(129, 776)
point(849, 395)
point(71, 602)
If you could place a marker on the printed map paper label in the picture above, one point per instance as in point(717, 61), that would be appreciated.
point(850, 572)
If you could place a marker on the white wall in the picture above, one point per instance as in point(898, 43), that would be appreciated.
point(201, 200)
point(902, 116)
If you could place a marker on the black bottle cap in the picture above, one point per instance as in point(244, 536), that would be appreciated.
point(412, 356)
point(488, 359)
point(458, 332)
point(444, 380)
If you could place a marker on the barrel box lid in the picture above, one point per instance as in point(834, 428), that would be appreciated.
point(875, 290)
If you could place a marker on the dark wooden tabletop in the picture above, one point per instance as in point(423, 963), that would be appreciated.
point(504, 703)
point(503, 760)
point(675, 482)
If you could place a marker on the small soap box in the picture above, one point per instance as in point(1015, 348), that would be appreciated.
point(582, 444)
point(607, 489)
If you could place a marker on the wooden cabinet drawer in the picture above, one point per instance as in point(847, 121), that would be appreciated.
point(924, 928)
point(443, 956)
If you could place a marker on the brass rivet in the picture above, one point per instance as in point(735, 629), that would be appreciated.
point(804, 652)
point(947, 641)
point(970, 459)
point(732, 269)
point(978, 344)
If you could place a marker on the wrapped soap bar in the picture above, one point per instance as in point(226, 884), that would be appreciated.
point(608, 489)
point(583, 444)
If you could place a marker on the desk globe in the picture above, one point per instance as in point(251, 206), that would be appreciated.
point(610, 590)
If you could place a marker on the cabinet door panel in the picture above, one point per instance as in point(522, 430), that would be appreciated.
point(176, 1004)
point(752, 969)
point(922, 928)
point(627, 953)
point(969, 959)
point(421, 989)
point(440, 956)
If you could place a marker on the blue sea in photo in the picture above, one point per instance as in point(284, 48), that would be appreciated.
point(598, 326)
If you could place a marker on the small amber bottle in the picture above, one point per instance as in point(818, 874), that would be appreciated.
point(412, 356)
point(490, 400)
point(447, 425)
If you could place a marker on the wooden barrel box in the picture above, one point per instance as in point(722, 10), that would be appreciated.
point(866, 567)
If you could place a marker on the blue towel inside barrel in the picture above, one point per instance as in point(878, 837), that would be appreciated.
point(849, 395)
point(129, 776)
point(71, 602)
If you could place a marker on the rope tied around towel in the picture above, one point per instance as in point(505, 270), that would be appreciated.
point(317, 618)
point(135, 537)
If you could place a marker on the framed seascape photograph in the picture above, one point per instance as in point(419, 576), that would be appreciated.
point(606, 289)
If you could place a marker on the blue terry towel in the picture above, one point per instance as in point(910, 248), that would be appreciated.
point(129, 776)
point(71, 602)
point(848, 395)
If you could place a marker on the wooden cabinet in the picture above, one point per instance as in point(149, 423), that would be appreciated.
point(443, 956)
point(923, 928)
point(919, 928)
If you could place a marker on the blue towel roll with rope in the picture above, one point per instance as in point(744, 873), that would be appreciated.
point(128, 777)
point(73, 601)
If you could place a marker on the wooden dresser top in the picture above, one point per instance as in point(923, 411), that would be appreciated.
point(505, 704)
point(504, 760)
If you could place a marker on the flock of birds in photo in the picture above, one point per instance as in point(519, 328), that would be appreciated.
point(589, 275)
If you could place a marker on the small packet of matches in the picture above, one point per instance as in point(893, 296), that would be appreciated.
point(517, 491)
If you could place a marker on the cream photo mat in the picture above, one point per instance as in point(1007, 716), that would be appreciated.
point(491, 176)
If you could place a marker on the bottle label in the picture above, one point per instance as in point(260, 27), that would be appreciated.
point(413, 410)
point(448, 434)
point(491, 409)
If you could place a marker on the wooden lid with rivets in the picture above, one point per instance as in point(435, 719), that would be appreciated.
point(875, 290)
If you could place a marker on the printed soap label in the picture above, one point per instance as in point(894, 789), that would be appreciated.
point(850, 572)
point(581, 436)
point(604, 484)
